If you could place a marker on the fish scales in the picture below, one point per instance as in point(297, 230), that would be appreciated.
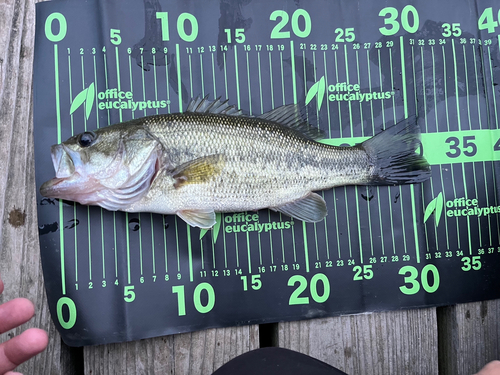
point(266, 164)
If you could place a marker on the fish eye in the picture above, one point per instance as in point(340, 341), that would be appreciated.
point(87, 139)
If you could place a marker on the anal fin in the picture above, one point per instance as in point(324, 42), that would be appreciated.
point(198, 218)
point(311, 208)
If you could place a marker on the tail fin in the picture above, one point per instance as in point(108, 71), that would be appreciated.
point(392, 152)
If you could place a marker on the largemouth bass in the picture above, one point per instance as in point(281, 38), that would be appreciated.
point(212, 158)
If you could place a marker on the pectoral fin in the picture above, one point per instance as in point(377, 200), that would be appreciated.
point(198, 218)
point(198, 170)
point(311, 208)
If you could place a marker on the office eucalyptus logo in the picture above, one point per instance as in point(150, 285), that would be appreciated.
point(215, 229)
point(244, 222)
point(317, 90)
point(435, 206)
point(85, 97)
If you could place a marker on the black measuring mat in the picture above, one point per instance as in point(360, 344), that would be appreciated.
point(357, 68)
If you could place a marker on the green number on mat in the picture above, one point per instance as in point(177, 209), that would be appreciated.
point(486, 21)
point(256, 282)
point(366, 270)
point(114, 36)
point(473, 263)
point(66, 301)
point(129, 294)
point(307, 23)
point(276, 33)
point(197, 298)
point(163, 17)
point(294, 298)
point(405, 19)
point(181, 299)
point(391, 20)
point(181, 303)
point(63, 27)
point(314, 289)
point(181, 29)
point(425, 280)
point(411, 279)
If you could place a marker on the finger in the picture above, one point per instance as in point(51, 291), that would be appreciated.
point(1, 285)
point(21, 348)
point(14, 313)
point(492, 368)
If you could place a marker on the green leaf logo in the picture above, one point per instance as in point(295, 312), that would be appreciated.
point(435, 206)
point(86, 96)
point(215, 229)
point(318, 89)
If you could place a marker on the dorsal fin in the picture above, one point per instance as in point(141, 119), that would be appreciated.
point(291, 117)
point(206, 106)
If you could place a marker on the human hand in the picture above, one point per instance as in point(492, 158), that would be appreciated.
point(28, 344)
point(492, 368)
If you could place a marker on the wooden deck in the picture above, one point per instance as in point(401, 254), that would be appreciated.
point(447, 340)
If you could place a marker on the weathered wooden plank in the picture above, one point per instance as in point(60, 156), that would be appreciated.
point(20, 252)
point(194, 353)
point(469, 336)
point(397, 342)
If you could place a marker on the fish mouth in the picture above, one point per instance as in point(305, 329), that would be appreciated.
point(50, 189)
point(64, 160)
